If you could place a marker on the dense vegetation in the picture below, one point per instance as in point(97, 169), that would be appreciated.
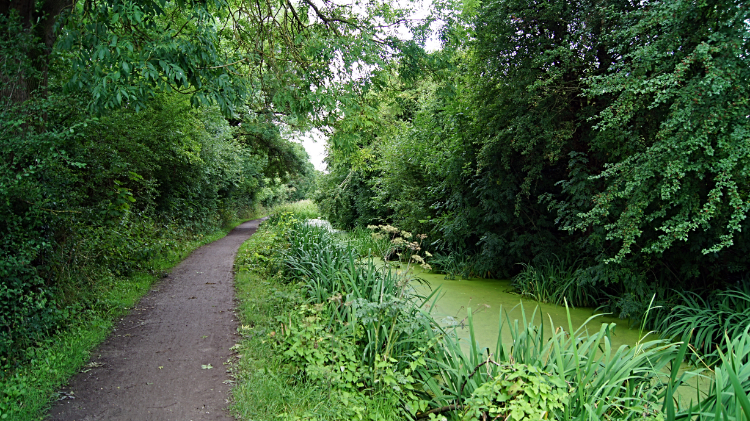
point(329, 334)
point(127, 132)
point(598, 148)
point(595, 151)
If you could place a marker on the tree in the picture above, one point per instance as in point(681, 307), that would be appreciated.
point(680, 83)
point(276, 56)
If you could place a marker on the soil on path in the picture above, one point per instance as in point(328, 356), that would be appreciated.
point(165, 360)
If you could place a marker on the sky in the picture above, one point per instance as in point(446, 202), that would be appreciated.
point(315, 144)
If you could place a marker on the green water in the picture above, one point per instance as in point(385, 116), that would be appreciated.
point(491, 299)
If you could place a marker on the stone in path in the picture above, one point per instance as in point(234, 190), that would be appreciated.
point(165, 360)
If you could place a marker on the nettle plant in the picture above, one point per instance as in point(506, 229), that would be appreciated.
point(401, 243)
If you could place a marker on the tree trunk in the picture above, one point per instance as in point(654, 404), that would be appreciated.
point(30, 34)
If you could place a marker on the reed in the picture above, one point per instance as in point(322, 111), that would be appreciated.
point(710, 319)
point(455, 264)
point(368, 243)
point(304, 209)
point(556, 282)
point(604, 383)
point(366, 311)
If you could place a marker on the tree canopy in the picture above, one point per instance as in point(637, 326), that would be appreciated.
point(612, 135)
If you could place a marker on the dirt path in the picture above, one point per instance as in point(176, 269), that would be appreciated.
point(155, 366)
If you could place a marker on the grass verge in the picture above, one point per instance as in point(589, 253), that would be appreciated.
point(28, 391)
point(264, 390)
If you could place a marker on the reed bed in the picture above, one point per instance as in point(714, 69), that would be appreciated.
point(710, 319)
point(366, 335)
point(556, 282)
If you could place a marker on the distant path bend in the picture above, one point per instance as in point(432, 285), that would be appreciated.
point(155, 365)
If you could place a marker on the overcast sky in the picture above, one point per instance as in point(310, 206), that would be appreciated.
point(315, 145)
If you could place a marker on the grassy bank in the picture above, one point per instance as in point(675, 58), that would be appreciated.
point(346, 339)
point(265, 389)
point(26, 391)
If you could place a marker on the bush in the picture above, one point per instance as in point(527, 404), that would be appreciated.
point(518, 392)
point(84, 200)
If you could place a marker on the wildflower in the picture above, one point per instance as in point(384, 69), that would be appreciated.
point(389, 229)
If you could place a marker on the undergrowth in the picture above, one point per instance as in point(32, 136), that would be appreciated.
point(323, 322)
point(28, 388)
point(710, 319)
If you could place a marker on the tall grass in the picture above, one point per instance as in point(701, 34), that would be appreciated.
point(304, 209)
point(374, 304)
point(603, 382)
point(556, 282)
point(455, 264)
point(710, 319)
point(367, 243)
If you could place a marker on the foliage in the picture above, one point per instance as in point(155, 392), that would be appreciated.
point(289, 58)
point(557, 282)
point(598, 381)
point(607, 133)
point(103, 198)
point(359, 335)
point(129, 128)
point(518, 392)
point(261, 391)
point(709, 320)
point(362, 332)
point(684, 180)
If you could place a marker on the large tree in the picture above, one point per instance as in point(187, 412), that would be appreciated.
point(277, 55)
point(680, 82)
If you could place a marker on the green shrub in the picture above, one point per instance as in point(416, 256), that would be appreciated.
point(518, 392)
point(84, 200)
